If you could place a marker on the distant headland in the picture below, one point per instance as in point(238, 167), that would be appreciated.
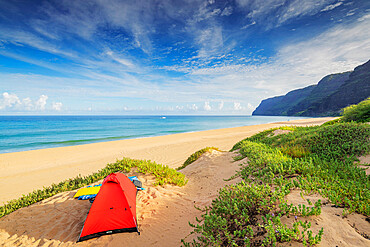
point(327, 98)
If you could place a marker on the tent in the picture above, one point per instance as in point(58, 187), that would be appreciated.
point(114, 208)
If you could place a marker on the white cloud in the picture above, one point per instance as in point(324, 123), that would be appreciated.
point(336, 50)
point(227, 11)
point(209, 40)
point(193, 107)
point(221, 105)
point(295, 65)
point(124, 62)
point(207, 107)
point(27, 103)
point(331, 6)
point(298, 8)
point(364, 17)
point(351, 12)
point(41, 102)
point(57, 106)
point(121, 60)
point(203, 13)
point(9, 100)
point(26, 38)
point(248, 25)
point(276, 12)
point(250, 106)
point(237, 106)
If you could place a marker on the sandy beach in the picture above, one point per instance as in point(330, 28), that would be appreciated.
point(22, 172)
point(163, 212)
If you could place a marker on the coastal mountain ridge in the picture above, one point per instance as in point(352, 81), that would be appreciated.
point(327, 98)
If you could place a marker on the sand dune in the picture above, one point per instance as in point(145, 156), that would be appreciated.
point(163, 212)
point(338, 230)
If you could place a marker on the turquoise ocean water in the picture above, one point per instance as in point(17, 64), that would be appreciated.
point(21, 133)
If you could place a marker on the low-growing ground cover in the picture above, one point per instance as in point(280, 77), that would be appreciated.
point(163, 175)
point(358, 113)
point(336, 141)
point(196, 156)
point(312, 159)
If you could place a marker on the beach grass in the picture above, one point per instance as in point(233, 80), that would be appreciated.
point(316, 159)
point(163, 175)
point(196, 156)
point(358, 113)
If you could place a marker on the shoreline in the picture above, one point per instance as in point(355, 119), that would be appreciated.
point(22, 172)
point(72, 141)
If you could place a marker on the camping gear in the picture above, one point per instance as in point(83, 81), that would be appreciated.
point(136, 182)
point(91, 191)
point(86, 197)
point(113, 210)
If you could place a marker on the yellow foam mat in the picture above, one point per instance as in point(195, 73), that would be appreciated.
point(87, 191)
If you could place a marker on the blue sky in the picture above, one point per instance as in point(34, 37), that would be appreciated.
point(171, 57)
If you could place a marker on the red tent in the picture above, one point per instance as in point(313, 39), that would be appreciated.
point(114, 208)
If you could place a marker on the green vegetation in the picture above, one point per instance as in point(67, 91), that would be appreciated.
point(338, 141)
point(163, 175)
point(234, 219)
point(250, 215)
point(357, 113)
point(331, 122)
point(316, 159)
point(196, 156)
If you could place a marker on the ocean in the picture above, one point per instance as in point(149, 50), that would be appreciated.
point(21, 133)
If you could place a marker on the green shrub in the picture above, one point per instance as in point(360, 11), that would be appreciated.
point(163, 175)
point(196, 156)
point(329, 169)
point(259, 136)
point(234, 219)
point(339, 141)
point(229, 220)
point(331, 122)
point(336, 141)
point(295, 151)
point(312, 159)
point(357, 113)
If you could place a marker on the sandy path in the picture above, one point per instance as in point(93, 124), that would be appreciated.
point(22, 172)
point(366, 161)
point(338, 230)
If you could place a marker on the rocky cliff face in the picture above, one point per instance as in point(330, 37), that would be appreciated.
point(278, 106)
point(327, 98)
point(353, 91)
